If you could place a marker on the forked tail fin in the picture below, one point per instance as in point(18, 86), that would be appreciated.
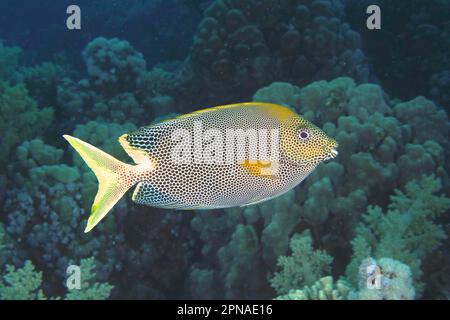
point(114, 178)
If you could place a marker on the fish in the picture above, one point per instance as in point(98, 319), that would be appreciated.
point(220, 157)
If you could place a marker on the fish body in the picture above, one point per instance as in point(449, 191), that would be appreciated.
point(227, 156)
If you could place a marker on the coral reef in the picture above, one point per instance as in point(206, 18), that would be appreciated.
point(322, 289)
point(90, 289)
point(390, 280)
point(20, 118)
point(408, 34)
point(48, 193)
point(42, 82)
point(242, 45)
point(118, 87)
point(21, 284)
point(113, 65)
point(370, 224)
point(385, 279)
point(46, 198)
point(407, 232)
point(25, 284)
point(303, 267)
point(50, 198)
point(382, 147)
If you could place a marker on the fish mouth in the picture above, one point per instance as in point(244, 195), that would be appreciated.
point(332, 154)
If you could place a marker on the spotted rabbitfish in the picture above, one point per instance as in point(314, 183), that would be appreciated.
point(220, 157)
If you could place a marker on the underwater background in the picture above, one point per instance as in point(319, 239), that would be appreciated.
point(384, 95)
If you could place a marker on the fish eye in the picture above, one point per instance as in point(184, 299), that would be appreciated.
point(303, 134)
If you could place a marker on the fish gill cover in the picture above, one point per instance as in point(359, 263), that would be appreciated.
point(381, 207)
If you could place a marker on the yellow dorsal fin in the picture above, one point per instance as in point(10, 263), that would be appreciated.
point(270, 108)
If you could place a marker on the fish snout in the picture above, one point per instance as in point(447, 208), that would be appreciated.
point(331, 151)
point(334, 153)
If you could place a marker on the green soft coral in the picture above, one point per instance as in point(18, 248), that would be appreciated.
point(303, 267)
point(20, 118)
point(21, 284)
point(25, 284)
point(90, 289)
point(406, 232)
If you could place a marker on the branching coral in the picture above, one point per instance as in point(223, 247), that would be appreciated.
point(157, 82)
point(406, 232)
point(25, 284)
point(122, 107)
point(90, 289)
point(303, 267)
point(21, 284)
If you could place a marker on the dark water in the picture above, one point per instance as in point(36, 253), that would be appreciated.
point(372, 223)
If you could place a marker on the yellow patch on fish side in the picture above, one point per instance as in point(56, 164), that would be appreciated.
point(260, 168)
